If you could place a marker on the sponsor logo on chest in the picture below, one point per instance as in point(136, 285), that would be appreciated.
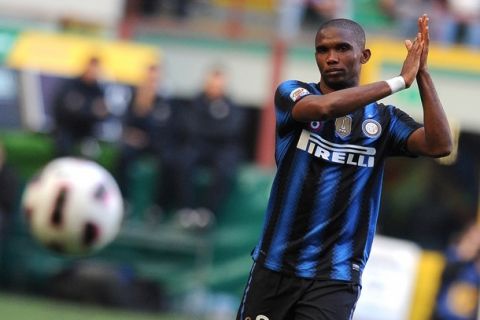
point(349, 154)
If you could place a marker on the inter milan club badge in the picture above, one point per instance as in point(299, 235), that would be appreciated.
point(315, 125)
point(343, 126)
point(371, 128)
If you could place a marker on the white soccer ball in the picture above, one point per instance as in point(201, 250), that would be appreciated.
point(73, 206)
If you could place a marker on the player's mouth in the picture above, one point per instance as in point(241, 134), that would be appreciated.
point(334, 71)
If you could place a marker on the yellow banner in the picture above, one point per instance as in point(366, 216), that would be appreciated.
point(266, 5)
point(67, 55)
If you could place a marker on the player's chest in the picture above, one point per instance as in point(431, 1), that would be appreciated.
point(345, 140)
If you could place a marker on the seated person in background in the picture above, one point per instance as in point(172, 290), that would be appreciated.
point(461, 24)
point(9, 185)
point(144, 126)
point(9, 191)
point(78, 107)
point(214, 126)
point(458, 295)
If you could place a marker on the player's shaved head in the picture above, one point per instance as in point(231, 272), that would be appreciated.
point(346, 24)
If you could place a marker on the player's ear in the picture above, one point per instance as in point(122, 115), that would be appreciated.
point(366, 54)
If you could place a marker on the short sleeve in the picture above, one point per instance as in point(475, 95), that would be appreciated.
point(288, 93)
point(402, 126)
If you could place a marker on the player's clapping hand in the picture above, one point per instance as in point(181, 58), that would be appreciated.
point(416, 53)
point(423, 29)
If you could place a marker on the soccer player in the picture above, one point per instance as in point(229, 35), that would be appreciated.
point(332, 138)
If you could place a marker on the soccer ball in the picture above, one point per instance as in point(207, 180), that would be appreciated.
point(73, 206)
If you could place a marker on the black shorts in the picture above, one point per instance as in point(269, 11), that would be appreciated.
point(271, 295)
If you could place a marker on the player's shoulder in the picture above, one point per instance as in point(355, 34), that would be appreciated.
point(388, 108)
point(383, 108)
point(390, 112)
point(291, 84)
point(295, 89)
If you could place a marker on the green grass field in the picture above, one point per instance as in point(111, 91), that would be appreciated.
point(17, 307)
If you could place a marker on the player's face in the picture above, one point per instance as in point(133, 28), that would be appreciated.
point(339, 58)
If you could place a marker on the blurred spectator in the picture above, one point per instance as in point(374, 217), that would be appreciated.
point(458, 294)
point(214, 126)
point(462, 24)
point(177, 8)
point(9, 192)
point(405, 15)
point(9, 186)
point(453, 21)
point(78, 107)
point(146, 126)
point(293, 13)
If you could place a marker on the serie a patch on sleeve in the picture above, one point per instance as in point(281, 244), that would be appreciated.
point(298, 93)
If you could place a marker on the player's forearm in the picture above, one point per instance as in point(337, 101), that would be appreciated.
point(340, 103)
point(437, 130)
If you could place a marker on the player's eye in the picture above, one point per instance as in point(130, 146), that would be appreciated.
point(343, 47)
point(321, 49)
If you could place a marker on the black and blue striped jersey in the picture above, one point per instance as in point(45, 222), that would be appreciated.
point(324, 202)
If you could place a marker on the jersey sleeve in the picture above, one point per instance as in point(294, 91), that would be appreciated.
point(402, 126)
point(288, 93)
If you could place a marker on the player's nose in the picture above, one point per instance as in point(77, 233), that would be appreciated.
point(331, 57)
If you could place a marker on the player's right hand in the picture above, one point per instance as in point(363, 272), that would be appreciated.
point(412, 61)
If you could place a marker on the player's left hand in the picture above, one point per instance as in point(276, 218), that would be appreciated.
point(423, 30)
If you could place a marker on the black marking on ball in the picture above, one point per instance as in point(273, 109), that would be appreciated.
point(100, 192)
point(57, 214)
point(90, 234)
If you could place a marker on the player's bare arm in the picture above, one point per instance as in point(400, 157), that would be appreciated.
point(434, 139)
point(333, 104)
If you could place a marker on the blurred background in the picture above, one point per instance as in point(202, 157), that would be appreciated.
point(175, 99)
